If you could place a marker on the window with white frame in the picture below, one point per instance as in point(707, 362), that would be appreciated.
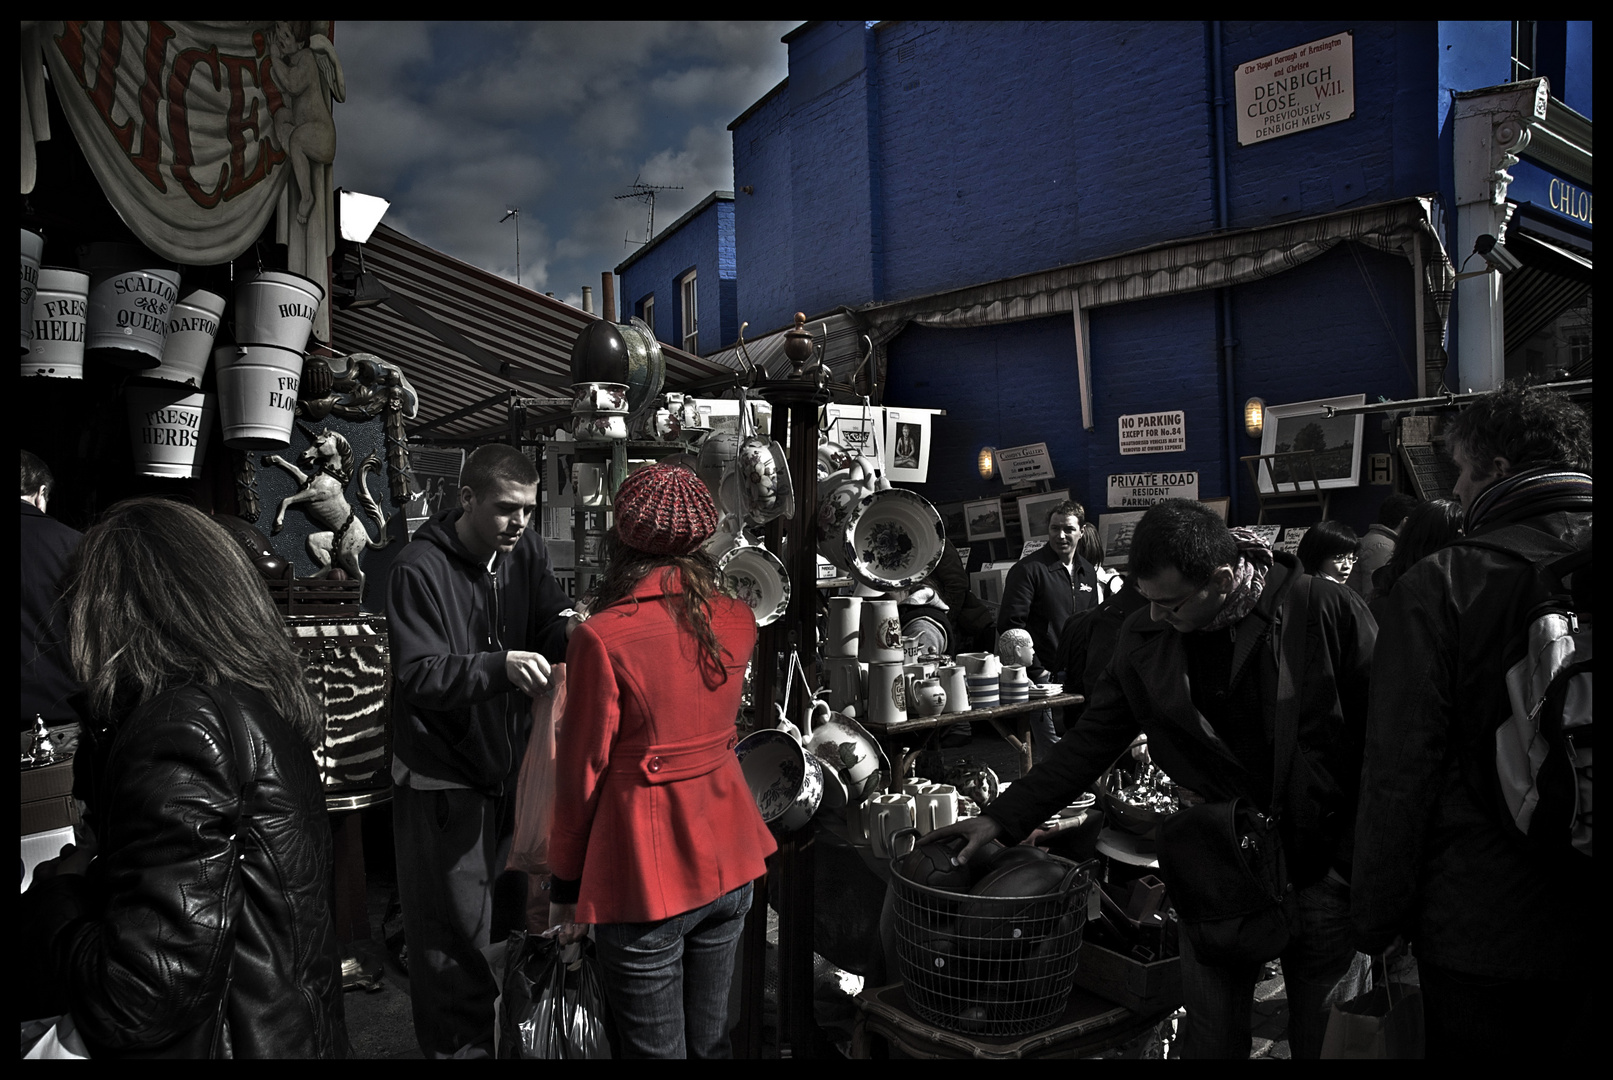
point(691, 313)
point(646, 311)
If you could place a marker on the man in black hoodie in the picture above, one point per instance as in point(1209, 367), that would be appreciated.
point(48, 685)
point(476, 618)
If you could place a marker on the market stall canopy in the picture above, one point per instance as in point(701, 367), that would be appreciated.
point(840, 334)
point(470, 342)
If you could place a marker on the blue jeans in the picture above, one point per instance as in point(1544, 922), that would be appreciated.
point(668, 981)
point(1320, 966)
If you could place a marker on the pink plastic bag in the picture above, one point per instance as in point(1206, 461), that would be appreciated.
point(534, 790)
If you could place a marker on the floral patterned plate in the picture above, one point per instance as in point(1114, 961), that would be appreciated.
point(893, 539)
point(757, 577)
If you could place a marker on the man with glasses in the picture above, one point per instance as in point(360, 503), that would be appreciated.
point(1198, 671)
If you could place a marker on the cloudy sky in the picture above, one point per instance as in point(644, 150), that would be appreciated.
point(455, 121)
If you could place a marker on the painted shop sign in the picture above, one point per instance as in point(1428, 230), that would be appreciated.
point(1145, 489)
point(1309, 86)
point(1153, 433)
point(1022, 464)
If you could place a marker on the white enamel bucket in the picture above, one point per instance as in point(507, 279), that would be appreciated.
point(192, 326)
point(129, 313)
point(168, 430)
point(33, 250)
point(257, 395)
point(60, 304)
point(277, 308)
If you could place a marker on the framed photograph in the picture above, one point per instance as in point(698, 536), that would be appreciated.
point(907, 445)
point(1221, 505)
point(952, 517)
point(1033, 511)
point(988, 585)
point(1114, 531)
point(1304, 425)
point(983, 520)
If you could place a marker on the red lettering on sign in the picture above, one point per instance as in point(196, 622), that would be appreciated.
point(179, 124)
point(71, 44)
point(241, 122)
point(150, 94)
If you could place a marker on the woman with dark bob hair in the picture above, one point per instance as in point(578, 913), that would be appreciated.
point(1328, 549)
point(656, 836)
point(200, 923)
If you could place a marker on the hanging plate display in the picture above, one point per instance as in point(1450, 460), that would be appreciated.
point(758, 578)
point(893, 539)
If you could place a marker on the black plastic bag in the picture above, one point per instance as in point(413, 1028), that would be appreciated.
point(552, 1003)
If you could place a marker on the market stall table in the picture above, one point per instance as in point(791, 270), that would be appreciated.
point(918, 732)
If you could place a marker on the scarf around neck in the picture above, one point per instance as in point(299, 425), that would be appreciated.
point(1248, 579)
point(1524, 494)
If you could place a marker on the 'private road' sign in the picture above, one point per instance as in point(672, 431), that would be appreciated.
point(1145, 489)
point(1153, 433)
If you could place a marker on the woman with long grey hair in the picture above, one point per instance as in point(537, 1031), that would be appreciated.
point(199, 922)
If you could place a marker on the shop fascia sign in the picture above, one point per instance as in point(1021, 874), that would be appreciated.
point(1024, 464)
point(1153, 433)
point(1132, 490)
point(1309, 86)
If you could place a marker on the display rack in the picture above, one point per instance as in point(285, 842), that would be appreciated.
point(1277, 498)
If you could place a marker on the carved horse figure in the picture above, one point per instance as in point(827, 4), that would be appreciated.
point(322, 493)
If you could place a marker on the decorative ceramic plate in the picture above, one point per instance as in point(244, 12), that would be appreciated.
point(765, 482)
point(757, 577)
point(893, 539)
point(1046, 689)
point(780, 774)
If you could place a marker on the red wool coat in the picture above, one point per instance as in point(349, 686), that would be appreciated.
point(652, 812)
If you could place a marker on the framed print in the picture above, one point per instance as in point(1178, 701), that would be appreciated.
point(907, 445)
point(1033, 511)
point(1305, 425)
point(1221, 505)
point(988, 585)
point(983, 520)
point(853, 427)
point(952, 518)
point(1114, 531)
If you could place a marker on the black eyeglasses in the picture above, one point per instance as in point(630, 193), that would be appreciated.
point(1172, 609)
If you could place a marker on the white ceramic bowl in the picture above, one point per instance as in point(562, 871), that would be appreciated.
point(785, 780)
point(893, 539)
point(758, 578)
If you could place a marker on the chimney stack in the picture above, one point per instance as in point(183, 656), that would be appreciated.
point(588, 299)
point(607, 295)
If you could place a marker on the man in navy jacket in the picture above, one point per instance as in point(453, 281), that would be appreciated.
point(47, 549)
point(476, 619)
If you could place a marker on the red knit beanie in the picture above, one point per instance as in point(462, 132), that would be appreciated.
point(664, 510)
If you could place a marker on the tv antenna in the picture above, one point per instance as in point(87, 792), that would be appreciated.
point(646, 193)
point(514, 212)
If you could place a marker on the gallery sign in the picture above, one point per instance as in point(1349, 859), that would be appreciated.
point(1309, 86)
point(1022, 464)
point(1153, 433)
point(1145, 489)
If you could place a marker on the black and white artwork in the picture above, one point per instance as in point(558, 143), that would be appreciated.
point(1332, 444)
point(983, 520)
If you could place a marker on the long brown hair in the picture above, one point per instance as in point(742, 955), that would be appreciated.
point(625, 567)
point(163, 596)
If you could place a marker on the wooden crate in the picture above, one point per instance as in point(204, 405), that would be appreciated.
point(314, 596)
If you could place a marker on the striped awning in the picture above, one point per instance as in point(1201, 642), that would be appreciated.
point(1553, 279)
point(479, 321)
point(839, 335)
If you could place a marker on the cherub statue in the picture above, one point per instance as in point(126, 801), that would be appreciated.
point(310, 78)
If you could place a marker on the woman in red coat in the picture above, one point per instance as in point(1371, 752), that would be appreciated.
point(656, 837)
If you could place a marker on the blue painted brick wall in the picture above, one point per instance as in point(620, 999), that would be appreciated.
point(704, 244)
point(763, 224)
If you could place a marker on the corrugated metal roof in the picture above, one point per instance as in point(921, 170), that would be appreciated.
point(527, 332)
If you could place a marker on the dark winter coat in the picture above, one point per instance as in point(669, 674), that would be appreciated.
point(1432, 861)
point(201, 889)
point(47, 679)
point(458, 716)
point(1039, 596)
point(1145, 689)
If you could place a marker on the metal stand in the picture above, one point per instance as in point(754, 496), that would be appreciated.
point(1277, 499)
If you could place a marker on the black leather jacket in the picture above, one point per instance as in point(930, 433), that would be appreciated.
point(199, 885)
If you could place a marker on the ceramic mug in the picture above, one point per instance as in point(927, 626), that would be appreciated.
point(887, 694)
point(880, 640)
point(847, 681)
point(888, 815)
point(955, 681)
point(934, 807)
point(588, 480)
point(844, 626)
point(1014, 685)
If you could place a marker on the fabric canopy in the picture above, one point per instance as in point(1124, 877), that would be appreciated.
point(524, 335)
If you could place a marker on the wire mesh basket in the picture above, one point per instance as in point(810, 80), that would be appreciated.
point(998, 966)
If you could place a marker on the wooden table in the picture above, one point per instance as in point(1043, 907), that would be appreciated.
point(919, 732)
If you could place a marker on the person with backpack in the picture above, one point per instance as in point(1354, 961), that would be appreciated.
point(1501, 921)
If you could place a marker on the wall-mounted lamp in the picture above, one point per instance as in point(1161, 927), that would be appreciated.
point(1254, 417)
point(987, 462)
